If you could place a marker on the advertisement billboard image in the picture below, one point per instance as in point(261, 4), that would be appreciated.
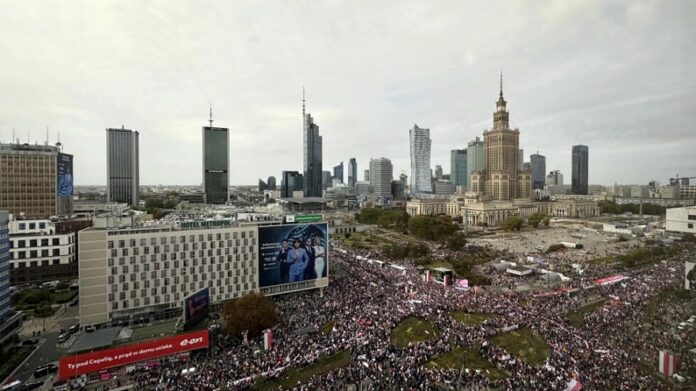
point(293, 253)
point(76, 365)
point(196, 307)
point(65, 175)
point(689, 275)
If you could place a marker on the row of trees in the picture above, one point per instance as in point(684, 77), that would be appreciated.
point(395, 218)
point(614, 208)
point(645, 256)
point(435, 228)
point(515, 223)
point(410, 250)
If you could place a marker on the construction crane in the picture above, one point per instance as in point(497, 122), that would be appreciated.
point(673, 181)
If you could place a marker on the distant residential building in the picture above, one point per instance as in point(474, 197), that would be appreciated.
point(684, 181)
point(216, 164)
point(292, 181)
point(122, 166)
point(538, 163)
point(681, 219)
point(366, 176)
point(381, 175)
point(36, 181)
point(639, 191)
point(443, 187)
point(312, 156)
point(271, 182)
point(458, 167)
point(554, 178)
point(420, 144)
point(363, 187)
point(352, 172)
point(670, 191)
point(475, 158)
point(338, 172)
point(397, 190)
point(4, 266)
point(39, 253)
point(580, 169)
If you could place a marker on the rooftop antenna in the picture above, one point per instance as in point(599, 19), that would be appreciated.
point(501, 83)
point(13, 137)
point(211, 115)
point(46, 143)
point(303, 102)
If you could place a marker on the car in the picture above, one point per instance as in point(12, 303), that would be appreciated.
point(90, 329)
point(74, 328)
point(63, 337)
point(29, 342)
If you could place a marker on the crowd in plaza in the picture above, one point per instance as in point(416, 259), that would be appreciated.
point(366, 301)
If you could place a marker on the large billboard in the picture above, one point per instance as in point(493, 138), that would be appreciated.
point(293, 253)
point(76, 365)
point(65, 175)
point(196, 307)
point(689, 275)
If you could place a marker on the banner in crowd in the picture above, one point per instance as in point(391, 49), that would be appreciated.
point(689, 275)
point(427, 276)
point(461, 284)
point(610, 280)
point(79, 364)
point(293, 253)
point(573, 385)
point(668, 363)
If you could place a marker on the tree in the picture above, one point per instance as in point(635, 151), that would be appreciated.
point(456, 241)
point(513, 223)
point(253, 312)
point(688, 238)
point(536, 219)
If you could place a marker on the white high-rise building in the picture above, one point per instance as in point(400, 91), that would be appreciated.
point(420, 160)
point(381, 175)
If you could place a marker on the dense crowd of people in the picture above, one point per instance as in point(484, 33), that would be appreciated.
point(365, 301)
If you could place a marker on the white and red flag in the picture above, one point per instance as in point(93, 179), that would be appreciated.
point(667, 363)
point(268, 339)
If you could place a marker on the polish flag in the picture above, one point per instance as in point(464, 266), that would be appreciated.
point(573, 385)
point(668, 363)
point(267, 339)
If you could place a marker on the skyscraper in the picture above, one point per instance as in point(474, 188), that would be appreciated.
point(271, 183)
point(325, 180)
point(366, 175)
point(381, 175)
point(352, 172)
point(291, 182)
point(475, 158)
point(122, 166)
point(438, 171)
point(216, 163)
point(579, 182)
point(520, 159)
point(312, 155)
point(554, 178)
point(421, 178)
point(458, 167)
point(338, 172)
point(538, 170)
point(502, 179)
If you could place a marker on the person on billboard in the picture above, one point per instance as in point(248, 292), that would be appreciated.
point(319, 260)
point(298, 260)
point(309, 271)
point(282, 259)
point(65, 185)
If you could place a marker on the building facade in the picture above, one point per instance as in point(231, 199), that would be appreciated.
point(579, 182)
point(338, 172)
point(271, 182)
point(381, 176)
point(312, 157)
point(475, 158)
point(458, 167)
point(292, 181)
point(4, 265)
point(420, 160)
point(216, 164)
point(122, 166)
point(29, 180)
point(681, 220)
point(352, 172)
point(538, 163)
point(128, 274)
point(39, 254)
point(554, 178)
point(501, 179)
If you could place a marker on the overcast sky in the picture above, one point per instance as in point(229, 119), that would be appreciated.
point(618, 76)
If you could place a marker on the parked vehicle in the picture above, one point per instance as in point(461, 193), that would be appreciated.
point(63, 337)
point(45, 369)
point(32, 385)
point(90, 329)
point(74, 328)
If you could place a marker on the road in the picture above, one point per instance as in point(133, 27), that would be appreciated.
point(48, 351)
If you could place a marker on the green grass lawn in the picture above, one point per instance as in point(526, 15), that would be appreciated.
point(65, 296)
point(412, 330)
point(470, 319)
point(13, 357)
point(293, 375)
point(524, 344)
point(576, 317)
point(467, 358)
point(158, 327)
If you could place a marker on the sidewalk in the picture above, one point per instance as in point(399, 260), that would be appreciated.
point(36, 325)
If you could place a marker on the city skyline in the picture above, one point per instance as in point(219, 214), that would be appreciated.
point(568, 89)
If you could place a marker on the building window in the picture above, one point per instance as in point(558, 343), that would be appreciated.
point(691, 225)
point(692, 217)
point(22, 226)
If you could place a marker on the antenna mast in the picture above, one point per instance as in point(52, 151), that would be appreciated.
point(211, 115)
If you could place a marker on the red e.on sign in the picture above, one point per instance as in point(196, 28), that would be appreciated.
point(71, 366)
